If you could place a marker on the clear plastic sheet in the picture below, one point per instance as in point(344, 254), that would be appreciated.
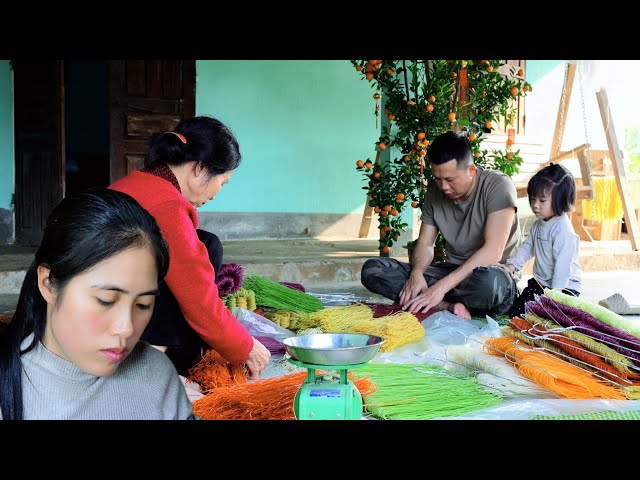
point(442, 330)
point(259, 326)
point(527, 409)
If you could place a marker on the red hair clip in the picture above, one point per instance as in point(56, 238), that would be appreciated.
point(180, 136)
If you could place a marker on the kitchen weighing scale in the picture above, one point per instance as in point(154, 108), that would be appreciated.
point(330, 395)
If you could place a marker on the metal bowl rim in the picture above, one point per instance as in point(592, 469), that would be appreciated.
point(379, 341)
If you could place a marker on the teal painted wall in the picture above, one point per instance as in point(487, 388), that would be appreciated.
point(6, 136)
point(301, 125)
point(537, 69)
point(541, 104)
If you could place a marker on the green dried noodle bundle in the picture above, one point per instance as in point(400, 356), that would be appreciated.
point(270, 293)
point(422, 392)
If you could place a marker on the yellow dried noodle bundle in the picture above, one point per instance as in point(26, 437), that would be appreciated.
point(337, 319)
point(399, 328)
point(243, 298)
point(290, 319)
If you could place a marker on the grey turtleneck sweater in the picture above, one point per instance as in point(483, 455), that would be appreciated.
point(145, 386)
point(556, 248)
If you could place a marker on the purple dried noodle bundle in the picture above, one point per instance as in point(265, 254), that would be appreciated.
point(274, 345)
point(230, 278)
point(587, 324)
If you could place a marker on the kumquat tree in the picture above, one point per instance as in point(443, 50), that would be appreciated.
point(422, 99)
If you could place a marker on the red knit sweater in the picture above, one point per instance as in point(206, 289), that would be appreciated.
point(191, 278)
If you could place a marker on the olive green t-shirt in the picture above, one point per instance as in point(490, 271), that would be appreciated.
point(462, 224)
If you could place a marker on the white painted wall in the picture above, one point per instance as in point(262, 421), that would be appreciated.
point(618, 77)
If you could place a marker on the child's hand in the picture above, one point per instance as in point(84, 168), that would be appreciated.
point(506, 267)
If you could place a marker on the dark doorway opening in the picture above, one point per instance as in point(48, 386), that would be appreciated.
point(86, 125)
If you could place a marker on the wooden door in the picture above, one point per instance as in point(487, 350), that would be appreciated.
point(38, 98)
point(147, 96)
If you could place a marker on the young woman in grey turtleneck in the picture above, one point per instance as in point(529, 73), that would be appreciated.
point(72, 349)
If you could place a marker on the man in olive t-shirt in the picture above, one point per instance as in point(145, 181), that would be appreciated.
point(475, 210)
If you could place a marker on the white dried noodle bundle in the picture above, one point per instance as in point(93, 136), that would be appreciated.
point(493, 372)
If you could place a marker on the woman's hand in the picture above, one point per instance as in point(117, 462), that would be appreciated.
point(192, 388)
point(258, 360)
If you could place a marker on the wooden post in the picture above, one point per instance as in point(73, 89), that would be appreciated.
point(618, 169)
point(577, 220)
point(563, 110)
point(586, 174)
point(365, 224)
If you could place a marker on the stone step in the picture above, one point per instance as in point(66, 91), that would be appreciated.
point(328, 261)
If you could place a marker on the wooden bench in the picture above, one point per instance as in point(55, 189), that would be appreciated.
point(583, 192)
point(535, 157)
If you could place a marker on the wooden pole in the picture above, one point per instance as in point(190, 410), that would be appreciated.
point(577, 220)
point(367, 215)
point(618, 169)
point(365, 224)
point(587, 181)
point(563, 110)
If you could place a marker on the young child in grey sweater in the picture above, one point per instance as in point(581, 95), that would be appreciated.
point(552, 240)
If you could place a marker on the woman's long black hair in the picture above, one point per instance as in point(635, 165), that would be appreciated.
point(207, 141)
point(81, 231)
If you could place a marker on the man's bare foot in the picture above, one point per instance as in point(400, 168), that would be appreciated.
point(456, 308)
point(460, 310)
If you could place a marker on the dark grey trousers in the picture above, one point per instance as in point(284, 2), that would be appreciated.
point(487, 291)
point(169, 327)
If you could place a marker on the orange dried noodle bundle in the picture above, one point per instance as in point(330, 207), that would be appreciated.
point(549, 371)
point(267, 399)
point(213, 371)
point(571, 347)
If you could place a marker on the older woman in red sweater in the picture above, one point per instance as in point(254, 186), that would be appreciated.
point(186, 168)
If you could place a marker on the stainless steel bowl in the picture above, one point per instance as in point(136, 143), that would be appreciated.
point(333, 348)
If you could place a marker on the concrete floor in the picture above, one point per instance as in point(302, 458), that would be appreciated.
point(332, 266)
point(596, 286)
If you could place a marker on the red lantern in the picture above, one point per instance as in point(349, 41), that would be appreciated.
point(463, 77)
point(511, 131)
